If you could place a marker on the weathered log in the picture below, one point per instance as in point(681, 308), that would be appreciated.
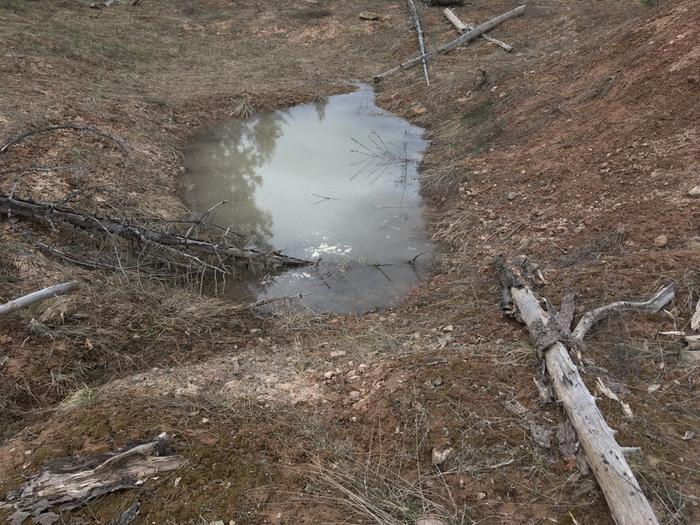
point(39, 295)
point(73, 482)
point(626, 501)
point(419, 32)
point(45, 213)
point(463, 39)
point(664, 296)
point(462, 27)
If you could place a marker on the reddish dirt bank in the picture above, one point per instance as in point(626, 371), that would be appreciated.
point(578, 149)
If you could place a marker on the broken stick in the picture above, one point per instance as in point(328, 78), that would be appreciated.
point(664, 296)
point(627, 502)
point(463, 39)
point(45, 213)
point(462, 27)
point(421, 43)
point(39, 295)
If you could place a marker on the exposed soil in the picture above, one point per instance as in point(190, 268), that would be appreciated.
point(578, 149)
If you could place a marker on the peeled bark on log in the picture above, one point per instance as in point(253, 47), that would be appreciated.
point(463, 39)
point(626, 501)
point(47, 214)
point(73, 482)
point(462, 27)
point(35, 297)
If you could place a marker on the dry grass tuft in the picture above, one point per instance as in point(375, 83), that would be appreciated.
point(242, 107)
point(375, 494)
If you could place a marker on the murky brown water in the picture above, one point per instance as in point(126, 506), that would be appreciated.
point(333, 180)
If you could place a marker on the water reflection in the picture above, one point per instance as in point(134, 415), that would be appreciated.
point(334, 180)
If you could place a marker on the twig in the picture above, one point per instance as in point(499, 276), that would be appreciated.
point(76, 127)
point(204, 216)
point(463, 39)
point(421, 43)
point(35, 297)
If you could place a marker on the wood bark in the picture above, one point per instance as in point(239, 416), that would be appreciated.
point(462, 27)
point(419, 32)
point(39, 295)
point(463, 39)
point(73, 482)
point(626, 501)
point(47, 214)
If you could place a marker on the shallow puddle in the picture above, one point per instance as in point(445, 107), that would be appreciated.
point(334, 181)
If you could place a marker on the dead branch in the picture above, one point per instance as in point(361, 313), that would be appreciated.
point(46, 214)
point(39, 295)
point(419, 32)
point(627, 502)
point(463, 39)
point(462, 27)
point(71, 483)
point(664, 296)
point(76, 127)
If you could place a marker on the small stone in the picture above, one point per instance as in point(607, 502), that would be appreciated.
point(427, 520)
point(354, 395)
point(329, 374)
point(418, 109)
point(694, 192)
point(440, 456)
point(689, 434)
point(448, 328)
point(368, 15)
point(480, 495)
point(437, 381)
point(512, 195)
point(660, 241)
point(337, 353)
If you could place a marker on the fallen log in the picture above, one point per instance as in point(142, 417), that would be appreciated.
point(627, 502)
point(462, 28)
point(47, 214)
point(419, 32)
point(73, 482)
point(463, 39)
point(39, 295)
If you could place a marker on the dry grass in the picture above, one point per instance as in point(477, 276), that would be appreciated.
point(375, 494)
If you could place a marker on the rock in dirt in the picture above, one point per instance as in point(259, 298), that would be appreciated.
point(439, 456)
point(368, 15)
point(694, 192)
point(427, 520)
point(660, 241)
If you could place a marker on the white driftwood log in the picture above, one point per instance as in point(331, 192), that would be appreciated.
point(626, 501)
point(462, 28)
point(463, 39)
point(421, 42)
point(35, 297)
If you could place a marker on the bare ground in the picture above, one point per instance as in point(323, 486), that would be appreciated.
point(578, 149)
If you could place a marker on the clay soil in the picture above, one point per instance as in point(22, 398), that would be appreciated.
point(578, 149)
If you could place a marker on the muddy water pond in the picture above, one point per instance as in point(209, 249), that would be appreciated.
point(334, 181)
